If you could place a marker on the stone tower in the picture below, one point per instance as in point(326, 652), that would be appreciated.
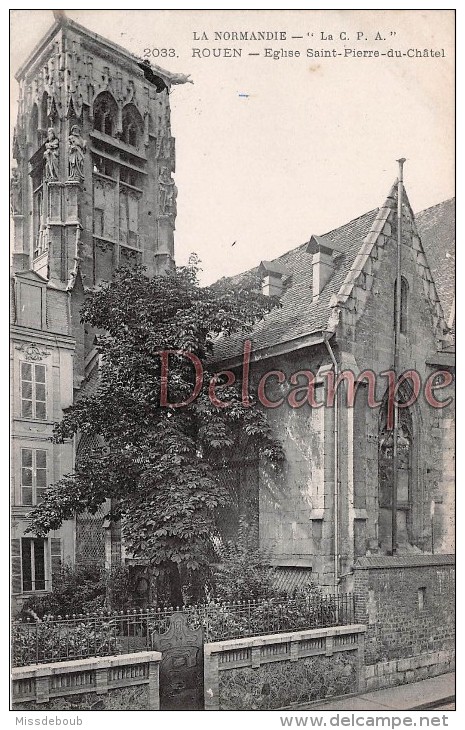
point(93, 188)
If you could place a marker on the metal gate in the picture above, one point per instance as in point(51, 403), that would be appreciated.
point(181, 668)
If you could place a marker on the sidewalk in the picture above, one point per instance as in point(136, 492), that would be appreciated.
point(415, 696)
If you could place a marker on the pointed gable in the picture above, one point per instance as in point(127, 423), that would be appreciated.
point(355, 248)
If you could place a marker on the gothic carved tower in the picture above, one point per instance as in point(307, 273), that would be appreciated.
point(93, 188)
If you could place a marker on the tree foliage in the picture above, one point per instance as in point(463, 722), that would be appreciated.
point(159, 465)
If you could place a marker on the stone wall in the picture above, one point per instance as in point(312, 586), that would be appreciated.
point(128, 681)
point(407, 605)
point(268, 672)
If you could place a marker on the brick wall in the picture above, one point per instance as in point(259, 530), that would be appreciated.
point(407, 605)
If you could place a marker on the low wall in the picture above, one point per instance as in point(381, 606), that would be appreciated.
point(127, 681)
point(268, 672)
point(407, 604)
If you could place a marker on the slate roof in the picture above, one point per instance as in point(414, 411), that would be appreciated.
point(403, 561)
point(299, 316)
point(436, 227)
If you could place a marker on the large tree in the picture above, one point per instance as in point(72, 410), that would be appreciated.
point(158, 464)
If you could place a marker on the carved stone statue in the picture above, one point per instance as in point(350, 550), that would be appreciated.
point(15, 191)
point(76, 152)
point(51, 156)
point(168, 192)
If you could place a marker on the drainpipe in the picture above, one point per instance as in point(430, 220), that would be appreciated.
point(395, 459)
point(336, 466)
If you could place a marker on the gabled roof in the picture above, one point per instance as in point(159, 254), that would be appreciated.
point(299, 316)
point(436, 228)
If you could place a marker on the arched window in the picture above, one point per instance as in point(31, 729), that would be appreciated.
point(405, 486)
point(105, 114)
point(403, 304)
point(132, 125)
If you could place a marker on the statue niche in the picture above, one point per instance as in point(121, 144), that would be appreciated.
point(76, 152)
point(51, 156)
point(16, 192)
point(168, 192)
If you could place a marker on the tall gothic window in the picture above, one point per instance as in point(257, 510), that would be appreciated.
point(44, 111)
point(403, 304)
point(105, 113)
point(132, 125)
point(405, 445)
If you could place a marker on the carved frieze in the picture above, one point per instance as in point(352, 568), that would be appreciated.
point(33, 352)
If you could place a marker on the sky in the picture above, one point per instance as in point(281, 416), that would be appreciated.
point(270, 151)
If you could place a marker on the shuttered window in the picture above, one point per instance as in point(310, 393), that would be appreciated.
point(34, 563)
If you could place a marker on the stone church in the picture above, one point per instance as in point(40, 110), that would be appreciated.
point(331, 503)
point(93, 189)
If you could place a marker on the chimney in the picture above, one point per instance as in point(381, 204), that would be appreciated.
point(324, 255)
point(273, 275)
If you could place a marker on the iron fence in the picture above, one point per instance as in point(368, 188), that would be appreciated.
point(106, 633)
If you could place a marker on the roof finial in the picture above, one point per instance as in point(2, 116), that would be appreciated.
point(60, 16)
point(401, 168)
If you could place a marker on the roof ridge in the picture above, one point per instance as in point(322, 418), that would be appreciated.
point(352, 220)
point(436, 205)
point(321, 235)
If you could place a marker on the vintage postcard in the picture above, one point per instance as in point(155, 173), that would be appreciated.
point(232, 333)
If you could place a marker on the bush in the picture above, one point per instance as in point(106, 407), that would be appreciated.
point(82, 589)
point(268, 617)
point(243, 574)
point(46, 641)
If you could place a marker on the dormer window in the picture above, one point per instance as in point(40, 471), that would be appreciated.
point(30, 300)
point(273, 278)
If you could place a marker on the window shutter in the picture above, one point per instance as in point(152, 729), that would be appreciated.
point(55, 555)
point(16, 586)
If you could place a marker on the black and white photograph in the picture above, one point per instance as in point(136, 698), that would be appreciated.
point(232, 365)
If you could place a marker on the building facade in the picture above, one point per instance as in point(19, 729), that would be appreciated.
point(92, 190)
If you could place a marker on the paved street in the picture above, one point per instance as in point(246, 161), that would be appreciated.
point(429, 694)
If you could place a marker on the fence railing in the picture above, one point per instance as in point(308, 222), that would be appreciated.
point(106, 633)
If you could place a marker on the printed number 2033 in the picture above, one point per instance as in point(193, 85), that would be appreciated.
point(159, 53)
